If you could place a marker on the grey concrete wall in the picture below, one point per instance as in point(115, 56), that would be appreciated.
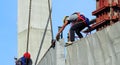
point(39, 16)
point(54, 56)
point(60, 52)
point(101, 48)
point(49, 58)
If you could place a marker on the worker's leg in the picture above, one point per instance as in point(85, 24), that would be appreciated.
point(78, 33)
point(68, 36)
point(76, 27)
point(72, 34)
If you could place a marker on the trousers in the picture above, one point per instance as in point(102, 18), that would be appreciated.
point(76, 28)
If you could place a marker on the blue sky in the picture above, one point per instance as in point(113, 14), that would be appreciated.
point(8, 31)
point(8, 22)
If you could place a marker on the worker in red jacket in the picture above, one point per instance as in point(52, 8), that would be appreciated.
point(78, 22)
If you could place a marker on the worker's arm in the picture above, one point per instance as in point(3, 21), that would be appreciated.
point(64, 25)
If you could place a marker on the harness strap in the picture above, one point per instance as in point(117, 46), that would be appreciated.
point(85, 21)
point(81, 18)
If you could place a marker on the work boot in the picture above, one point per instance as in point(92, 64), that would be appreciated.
point(68, 43)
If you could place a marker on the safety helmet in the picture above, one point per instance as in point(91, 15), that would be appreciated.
point(27, 55)
point(65, 18)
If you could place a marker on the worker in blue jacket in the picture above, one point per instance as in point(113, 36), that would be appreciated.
point(25, 60)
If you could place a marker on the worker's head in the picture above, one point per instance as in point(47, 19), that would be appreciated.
point(76, 12)
point(82, 14)
point(65, 18)
point(27, 55)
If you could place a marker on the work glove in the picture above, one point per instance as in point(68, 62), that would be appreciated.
point(57, 37)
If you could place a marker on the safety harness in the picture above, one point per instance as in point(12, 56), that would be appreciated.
point(84, 20)
point(81, 18)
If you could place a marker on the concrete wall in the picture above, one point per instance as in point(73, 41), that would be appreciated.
point(54, 56)
point(49, 58)
point(39, 17)
point(101, 48)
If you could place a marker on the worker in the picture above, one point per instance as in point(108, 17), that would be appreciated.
point(25, 60)
point(78, 22)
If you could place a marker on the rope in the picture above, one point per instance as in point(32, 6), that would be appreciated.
point(28, 32)
point(43, 35)
point(50, 18)
point(42, 40)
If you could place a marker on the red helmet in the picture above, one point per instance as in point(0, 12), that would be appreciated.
point(27, 55)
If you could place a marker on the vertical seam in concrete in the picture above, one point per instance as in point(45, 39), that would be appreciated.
point(112, 48)
point(92, 54)
point(103, 55)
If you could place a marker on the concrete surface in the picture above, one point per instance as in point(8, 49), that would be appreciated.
point(101, 48)
point(60, 52)
point(49, 58)
point(54, 56)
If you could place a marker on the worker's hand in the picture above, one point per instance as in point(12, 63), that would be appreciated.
point(57, 36)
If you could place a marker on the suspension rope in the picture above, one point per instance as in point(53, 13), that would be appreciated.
point(43, 34)
point(50, 18)
point(28, 32)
